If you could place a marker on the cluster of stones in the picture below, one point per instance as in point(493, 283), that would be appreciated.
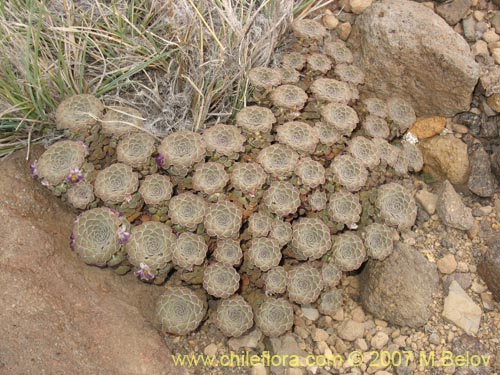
point(270, 210)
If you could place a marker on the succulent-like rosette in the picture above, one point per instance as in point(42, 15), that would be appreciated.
point(330, 302)
point(59, 160)
point(331, 90)
point(338, 51)
point(289, 75)
point(350, 73)
point(344, 207)
point(298, 135)
point(414, 156)
point(259, 224)
point(182, 149)
point(365, 151)
point(274, 317)
point(282, 198)
point(248, 177)
point(376, 107)
point(331, 274)
point(98, 235)
point(135, 149)
point(210, 178)
point(180, 311)
point(223, 219)
point(311, 237)
point(264, 253)
point(401, 113)
point(376, 127)
point(281, 231)
point(304, 284)
point(116, 183)
point(317, 200)
point(349, 172)
point(189, 250)
point(348, 251)
point(289, 97)
point(224, 139)
point(319, 62)
point(378, 240)
point(187, 210)
point(81, 195)
point(309, 29)
point(295, 60)
point(396, 206)
point(264, 78)
point(342, 117)
point(278, 160)
point(228, 251)
point(275, 280)
point(78, 112)
point(328, 134)
point(388, 153)
point(311, 172)
point(234, 316)
point(156, 189)
point(151, 243)
point(221, 280)
point(255, 119)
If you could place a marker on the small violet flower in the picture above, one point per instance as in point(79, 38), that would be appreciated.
point(75, 176)
point(34, 170)
point(87, 148)
point(144, 273)
point(160, 160)
point(123, 235)
point(72, 241)
point(115, 212)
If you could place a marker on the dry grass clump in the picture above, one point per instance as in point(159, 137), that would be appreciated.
point(184, 63)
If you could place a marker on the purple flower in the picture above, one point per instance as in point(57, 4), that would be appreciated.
point(160, 160)
point(87, 148)
point(123, 235)
point(75, 176)
point(72, 241)
point(33, 169)
point(144, 273)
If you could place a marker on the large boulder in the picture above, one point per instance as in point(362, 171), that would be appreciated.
point(409, 51)
point(58, 315)
point(399, 289)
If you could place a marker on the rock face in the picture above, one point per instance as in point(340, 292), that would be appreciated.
point(481, 180)
point(453, 11)
point(451, 210)
point(489, 269)
point(461, 310)
point(58, 315)
point(399, 289)
point(407, 50)
point(446, 158)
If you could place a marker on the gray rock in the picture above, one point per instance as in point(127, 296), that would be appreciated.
point(453, 11)
point(250, 340)
point(407, 50)
point(399, 289)
point(451, 210)
point(489, 268)
point(489, 128)
point(490, 78)
point(495, 22)
point(495, 163)
point(461, 310)
point(350, 330)
point(469, 27)
point(427, 200)
point(462, 278)
point(465, 344)
point(310, 312)
point(285, 346)
point(481, 180)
